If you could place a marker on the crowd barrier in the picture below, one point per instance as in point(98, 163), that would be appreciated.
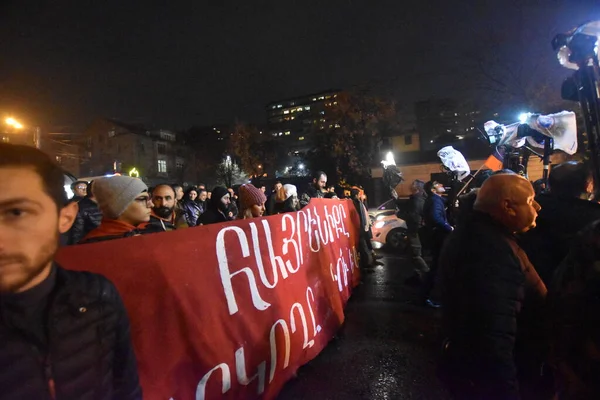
point(231, 310)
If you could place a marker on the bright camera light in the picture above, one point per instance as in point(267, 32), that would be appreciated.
point(523, 117)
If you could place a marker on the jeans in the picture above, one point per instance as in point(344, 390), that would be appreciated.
point(419, 263)
point(437, 241)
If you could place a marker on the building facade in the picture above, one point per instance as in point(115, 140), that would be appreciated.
point(296, 121)
point(158, 156)
point(442, 122)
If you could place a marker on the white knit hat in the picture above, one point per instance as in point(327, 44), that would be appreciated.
point(290, 190)
point(115, 193)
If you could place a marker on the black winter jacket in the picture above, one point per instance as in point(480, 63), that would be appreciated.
point(414, 215)
point(88, 218)
point(89, 355)
point(483, 290)
point(558, 222)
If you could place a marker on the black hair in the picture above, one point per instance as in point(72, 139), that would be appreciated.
point(569, 179)
point(53, 179)
point(186, 196)
point(419, 184)
point(317, 175)
point(504, 171)
point(202, 184)
point(429, 186)
point(74, 184)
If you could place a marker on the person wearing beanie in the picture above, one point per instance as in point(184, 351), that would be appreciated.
point(252, 202)
point(290, 201)
point(125, 204)
point(217, 208)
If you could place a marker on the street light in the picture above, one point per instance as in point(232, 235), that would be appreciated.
point(13, 122)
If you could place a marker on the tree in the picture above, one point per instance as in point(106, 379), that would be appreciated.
point(255, 149)
point(347, 144)
point(228, 173)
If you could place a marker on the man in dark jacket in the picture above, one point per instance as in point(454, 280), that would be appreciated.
point(565, 211)
point(63, 334)
point(485, 275)
point(414, 222)
point(316, 190)
point(436, 223)
point(165, 215)
point(218, 207)
point(88, 218)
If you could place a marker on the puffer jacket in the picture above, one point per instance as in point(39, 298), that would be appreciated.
point(191, 212)
point(90, 354)
point(88, 218)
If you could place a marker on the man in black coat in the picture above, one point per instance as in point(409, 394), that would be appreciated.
point(88, 217)
point(63, 334)
point(218, 207)
point(485, 275)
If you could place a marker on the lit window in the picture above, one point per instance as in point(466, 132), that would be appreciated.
point(280, 133)
point(307, 108)
point(337, 126)
point(278, 105)
point(5, 139)
point(314, 99)
point(299, 109)
point(286, 112)
point(327, 97)
point(287, 133)
point(293, 110)
point(111, 133)
point(274, 134)
point(322, 112)
point(274, 107)
point(322, 98)
point(301, 138)
point(292, 118)
point(162, 166)
point(335, 103)
point(335, 95)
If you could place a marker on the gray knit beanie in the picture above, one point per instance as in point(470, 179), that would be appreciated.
point(115, 193)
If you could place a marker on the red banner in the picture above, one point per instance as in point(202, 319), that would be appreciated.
point(231, 310)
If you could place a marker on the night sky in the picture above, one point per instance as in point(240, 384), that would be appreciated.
point(64, 63)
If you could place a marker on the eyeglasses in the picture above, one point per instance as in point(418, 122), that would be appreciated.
point(81, 187)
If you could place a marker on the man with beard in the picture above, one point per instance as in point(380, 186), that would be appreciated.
point(63, 334)
point(218, 207)
point(164, 216)
point(486, 278)
point(316, 189)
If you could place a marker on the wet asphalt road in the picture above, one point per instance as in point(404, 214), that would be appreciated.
point(386, 348)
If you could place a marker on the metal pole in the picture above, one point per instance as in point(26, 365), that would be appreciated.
point(547, 151)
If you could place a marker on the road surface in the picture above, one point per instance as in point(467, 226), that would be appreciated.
point(385, 350)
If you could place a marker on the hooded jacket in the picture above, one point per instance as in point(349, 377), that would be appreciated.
point(213, 213)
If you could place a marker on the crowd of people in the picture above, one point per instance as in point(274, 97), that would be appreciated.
point(520, 305)
point(519, 276)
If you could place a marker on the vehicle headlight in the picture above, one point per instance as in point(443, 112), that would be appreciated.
point(379, 224)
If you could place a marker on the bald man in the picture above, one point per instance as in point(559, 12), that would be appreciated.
point(485, 276)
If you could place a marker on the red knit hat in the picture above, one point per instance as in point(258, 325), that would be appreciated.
point(250, 196)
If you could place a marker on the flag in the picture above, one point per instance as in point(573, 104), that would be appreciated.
point(495, 161)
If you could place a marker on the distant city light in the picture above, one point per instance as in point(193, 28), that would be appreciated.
point(301, 167)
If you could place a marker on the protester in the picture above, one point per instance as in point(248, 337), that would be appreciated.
point(565, 211)
point(263, 189)
point(252, 202)
point(272, 199)
point(164, 215)
point(316, 189)
point(290, 200)
point(79, 189)
point(88, 217)
point(179, 198)
point(233, 210)
point(191, 207)
point(414, 222)
point(438, 228)
point(125, 205)
point(367, 255)
point(208, 195)
point(202, 200)
point(218, 207)
point(201, 186)
point(65, 334)
point(575, 318)
point(485, 276)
